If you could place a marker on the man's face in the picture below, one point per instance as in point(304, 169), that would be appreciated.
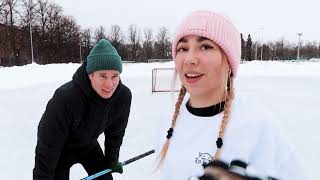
point(105, 82)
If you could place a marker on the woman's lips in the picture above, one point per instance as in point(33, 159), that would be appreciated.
point(193, 77)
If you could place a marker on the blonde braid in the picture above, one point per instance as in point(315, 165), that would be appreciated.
point(165, 147)
point(226, 117)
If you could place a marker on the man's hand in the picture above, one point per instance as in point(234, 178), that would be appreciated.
point(117, 168)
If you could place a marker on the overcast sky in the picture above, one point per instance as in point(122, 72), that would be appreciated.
point(266, 20)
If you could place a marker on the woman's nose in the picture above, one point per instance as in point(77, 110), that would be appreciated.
point(191, 57)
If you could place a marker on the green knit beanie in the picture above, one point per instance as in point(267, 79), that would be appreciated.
point(103, 56)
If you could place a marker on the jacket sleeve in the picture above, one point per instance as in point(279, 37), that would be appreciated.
point(115, 132)
point(53, 130)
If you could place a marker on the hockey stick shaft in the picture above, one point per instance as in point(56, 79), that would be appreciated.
point(106, 171)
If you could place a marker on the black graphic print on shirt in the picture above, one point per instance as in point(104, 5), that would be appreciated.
point(203, 158)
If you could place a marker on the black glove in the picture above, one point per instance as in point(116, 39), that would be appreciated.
point(217, 170)
point(116, 167)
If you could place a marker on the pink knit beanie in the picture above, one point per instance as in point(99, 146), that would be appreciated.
point(215, 27)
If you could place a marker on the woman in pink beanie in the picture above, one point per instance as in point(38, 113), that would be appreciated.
point(209, 123)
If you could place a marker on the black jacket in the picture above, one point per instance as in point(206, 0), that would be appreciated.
point(74, 118)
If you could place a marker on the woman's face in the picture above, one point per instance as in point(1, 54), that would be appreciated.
point(201, 65)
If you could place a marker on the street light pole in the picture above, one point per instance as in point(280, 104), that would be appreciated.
point(261, 42)
point(261, 51)
point(30, 29)
point(80, 52)
point(298, 53)
point(256, 52)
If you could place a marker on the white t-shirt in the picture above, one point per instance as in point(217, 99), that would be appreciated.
point(249, 137)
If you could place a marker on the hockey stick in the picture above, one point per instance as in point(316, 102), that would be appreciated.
point(122, 163)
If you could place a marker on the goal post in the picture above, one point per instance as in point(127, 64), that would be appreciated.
point(162, 80)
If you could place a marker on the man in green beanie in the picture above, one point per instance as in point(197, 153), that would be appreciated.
point(93, 102)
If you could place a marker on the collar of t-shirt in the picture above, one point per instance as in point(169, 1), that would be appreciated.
point(206, 111)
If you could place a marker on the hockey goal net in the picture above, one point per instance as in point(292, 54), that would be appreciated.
point(162, 80)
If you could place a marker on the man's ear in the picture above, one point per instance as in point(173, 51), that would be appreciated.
point(90, 75)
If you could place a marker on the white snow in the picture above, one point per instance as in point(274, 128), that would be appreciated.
point(288, 89)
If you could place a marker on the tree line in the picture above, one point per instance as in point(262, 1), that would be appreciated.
point(57, 38)
point(280, 49)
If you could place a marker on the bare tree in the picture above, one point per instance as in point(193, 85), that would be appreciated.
point(282, 50)
point(100, 33)
point(54, 12)
point(52, 36)
point(2, 11)
point(272, 49)
point(10, 19)
point(41, 29)
point(9, 12)
point(309, 50)
point(134, 41)
point(318, 50)
point(3, 46)
point(42, 15)
point(27, 12)
point(86, 36)
point(57, 37)
point(27, 18)
point(86, 42)
point(148, 43)
point(116, 36)
point(71, 41)
point(162, 45)
point(279, 47)
point(117, 39)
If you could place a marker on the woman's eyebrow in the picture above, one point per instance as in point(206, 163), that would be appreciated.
point(200, 39)
point(183, 40)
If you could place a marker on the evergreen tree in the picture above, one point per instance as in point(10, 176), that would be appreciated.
point(243, 48)
point(249, 48)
